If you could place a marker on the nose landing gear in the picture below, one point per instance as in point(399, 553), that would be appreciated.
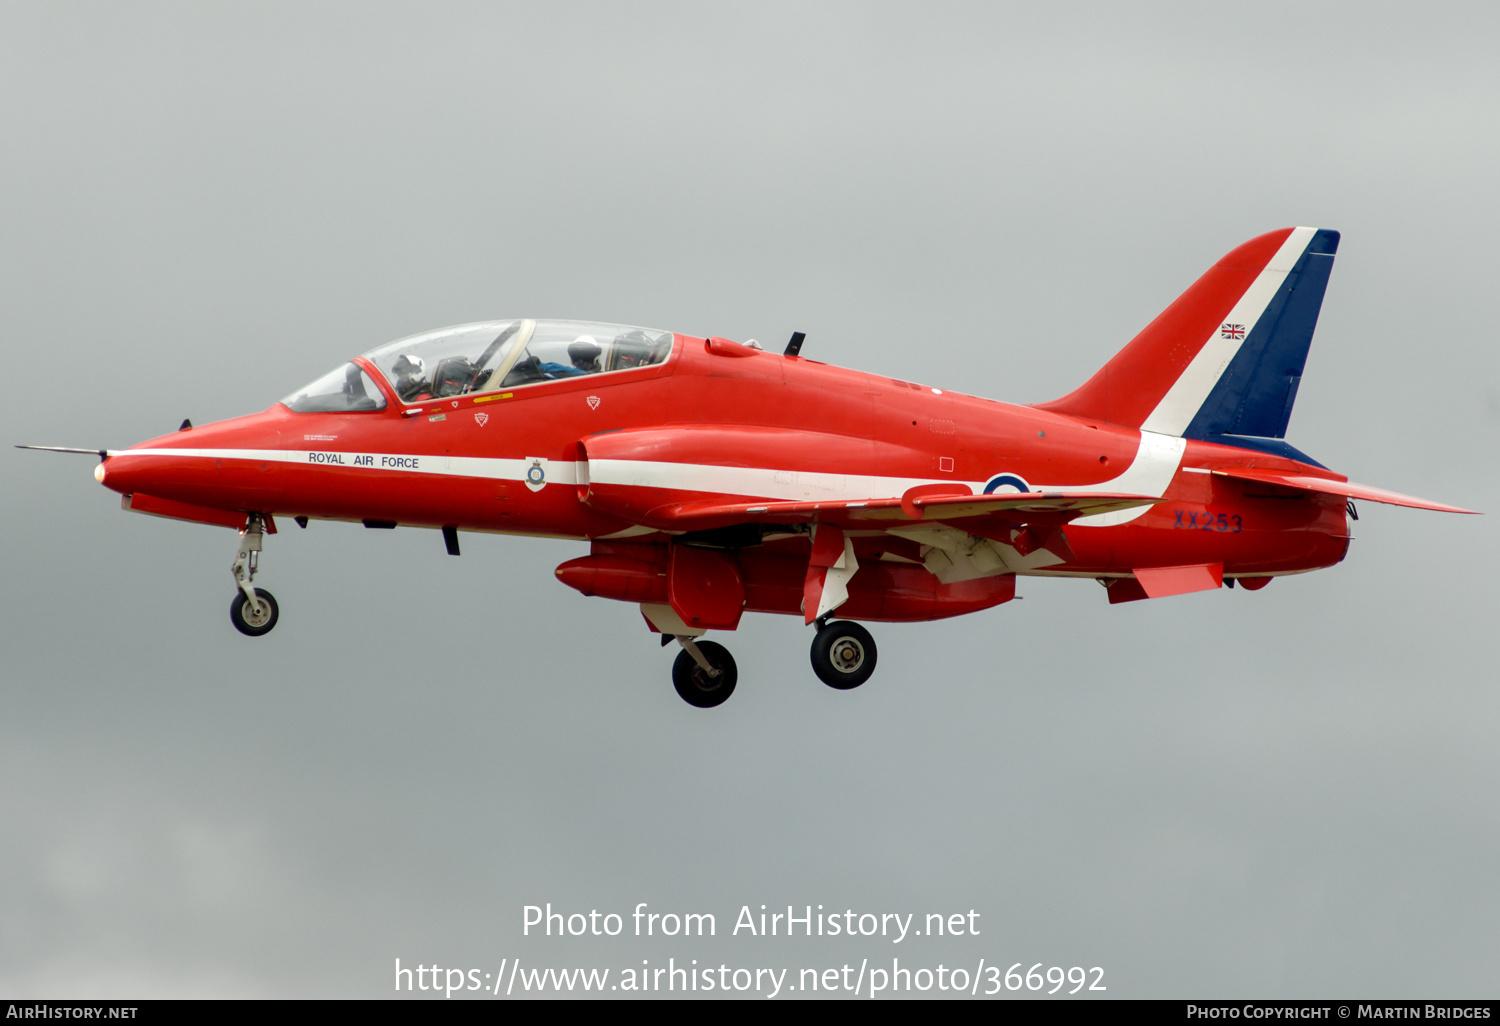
point(254, 617)
point(253, 611)
point(843, 654)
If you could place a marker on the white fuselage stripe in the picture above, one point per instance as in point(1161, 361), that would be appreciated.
point(1156, 461)
point(452, 466)
point(1191, 389)
point(1149, 474)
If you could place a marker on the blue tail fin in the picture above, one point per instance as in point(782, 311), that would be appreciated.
point(1254, 394)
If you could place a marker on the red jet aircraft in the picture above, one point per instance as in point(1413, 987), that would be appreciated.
point(710, 478)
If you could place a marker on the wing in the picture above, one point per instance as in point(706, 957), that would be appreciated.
point(1014, 508)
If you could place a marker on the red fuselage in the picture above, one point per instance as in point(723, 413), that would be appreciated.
point(712, 422)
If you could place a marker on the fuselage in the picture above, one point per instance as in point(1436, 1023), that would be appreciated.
point(592, 456)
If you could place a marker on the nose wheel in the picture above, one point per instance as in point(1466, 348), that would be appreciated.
point(254, 617)
point(253, 611)
point(843, 654)
point(704, 673)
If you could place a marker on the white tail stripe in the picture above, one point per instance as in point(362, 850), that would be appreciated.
point(1189, 392)
point(1152, 470)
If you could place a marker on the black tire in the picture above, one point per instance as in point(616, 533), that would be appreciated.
point(843, 655)
point(696, 687)
point(250, 621)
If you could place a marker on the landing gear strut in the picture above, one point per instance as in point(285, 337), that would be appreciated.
point(253, 611)
point(704, 673)
point(843, 654)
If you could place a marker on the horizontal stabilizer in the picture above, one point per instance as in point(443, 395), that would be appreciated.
point(1018, 507)
point(1348, 489)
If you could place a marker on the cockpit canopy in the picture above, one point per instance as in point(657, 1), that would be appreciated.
point(485, 357)
point(344, 389)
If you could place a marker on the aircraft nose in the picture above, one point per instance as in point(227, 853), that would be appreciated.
point(131, 474)
point(125, 475)
point(230, 464)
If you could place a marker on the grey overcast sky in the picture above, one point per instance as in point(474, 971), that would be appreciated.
point(204, 206)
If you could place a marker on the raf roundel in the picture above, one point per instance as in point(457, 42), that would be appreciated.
point(1010, 481)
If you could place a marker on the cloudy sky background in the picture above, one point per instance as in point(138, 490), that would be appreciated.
point(203, 207)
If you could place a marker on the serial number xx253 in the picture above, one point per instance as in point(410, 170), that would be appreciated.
point(1196, 520)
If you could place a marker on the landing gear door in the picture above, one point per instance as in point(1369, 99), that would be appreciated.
point(705, 588)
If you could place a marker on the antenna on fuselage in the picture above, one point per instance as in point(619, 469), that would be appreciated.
point(794, 347)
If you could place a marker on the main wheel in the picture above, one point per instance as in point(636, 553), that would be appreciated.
point(695, 685)
point(253, 619)
point(843, 654)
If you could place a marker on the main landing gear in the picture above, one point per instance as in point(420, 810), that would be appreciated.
point(843, 654)
point(704, 674)
point(253, 611)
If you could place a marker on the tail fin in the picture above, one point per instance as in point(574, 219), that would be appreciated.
point(1227, 356)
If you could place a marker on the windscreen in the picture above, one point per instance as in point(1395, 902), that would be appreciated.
point(344, 389)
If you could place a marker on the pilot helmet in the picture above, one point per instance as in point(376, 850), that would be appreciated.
point(583, 351)
point(408, 366)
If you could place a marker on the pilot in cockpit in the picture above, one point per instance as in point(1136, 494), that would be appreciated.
point(583, 354)
point(411, 382)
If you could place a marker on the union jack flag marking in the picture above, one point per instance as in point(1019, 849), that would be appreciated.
point(1232, 331)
